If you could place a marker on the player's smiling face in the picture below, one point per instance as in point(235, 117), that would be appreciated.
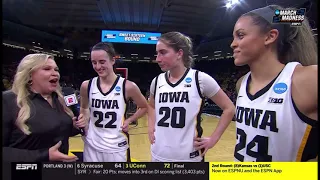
point(102, 63)
point(248, 41)
point(167, 57)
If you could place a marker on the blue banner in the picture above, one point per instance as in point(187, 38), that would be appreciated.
point(129, 37)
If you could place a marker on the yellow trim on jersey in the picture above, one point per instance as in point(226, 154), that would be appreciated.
point(125, 137)
point(303, 143)
point(122, 121)
point(128, 155)
point(123, 115)
point(196, 132)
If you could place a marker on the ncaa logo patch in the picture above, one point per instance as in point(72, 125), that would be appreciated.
point(280, 88)
point(188, 80)
point(118, 88)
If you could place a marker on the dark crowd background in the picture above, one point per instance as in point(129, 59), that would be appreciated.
point(74, 72)
point(71, 46)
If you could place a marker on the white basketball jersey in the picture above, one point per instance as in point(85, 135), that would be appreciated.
point(178, 115)
point(107, 114)
point(269, 126)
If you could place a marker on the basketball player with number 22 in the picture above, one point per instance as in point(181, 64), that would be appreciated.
point(103, 106)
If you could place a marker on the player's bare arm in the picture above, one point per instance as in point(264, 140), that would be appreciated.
point(223, 101)
point(305, 90)
point(133, 92)
point(151, 113)
point(84, 102)
point(151, 119)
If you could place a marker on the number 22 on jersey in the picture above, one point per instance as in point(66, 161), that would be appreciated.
point(110, 116)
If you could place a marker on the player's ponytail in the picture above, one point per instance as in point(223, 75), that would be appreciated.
point(300, 45)
point(294, 43)
point(177, 41)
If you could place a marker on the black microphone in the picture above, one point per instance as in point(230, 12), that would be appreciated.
point(71, 101)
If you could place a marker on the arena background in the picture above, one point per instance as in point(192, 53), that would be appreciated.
point(68, 28)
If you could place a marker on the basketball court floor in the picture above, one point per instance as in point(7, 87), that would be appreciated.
point(140, 145)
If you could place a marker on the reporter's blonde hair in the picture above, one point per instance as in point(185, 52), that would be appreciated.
point(21, 87)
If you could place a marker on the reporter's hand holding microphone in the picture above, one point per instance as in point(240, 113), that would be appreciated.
point(71, 101)
point(80, 123)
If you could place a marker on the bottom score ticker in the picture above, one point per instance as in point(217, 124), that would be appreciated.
point(157, 170)
point(80, 171)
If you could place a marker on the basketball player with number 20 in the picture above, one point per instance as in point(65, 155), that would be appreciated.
point(103, 106)
point(176, 100)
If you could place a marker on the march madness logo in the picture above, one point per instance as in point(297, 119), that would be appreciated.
point(293, 16)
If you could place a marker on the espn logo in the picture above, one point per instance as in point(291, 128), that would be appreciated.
point(70, 100)
point(26, 167)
